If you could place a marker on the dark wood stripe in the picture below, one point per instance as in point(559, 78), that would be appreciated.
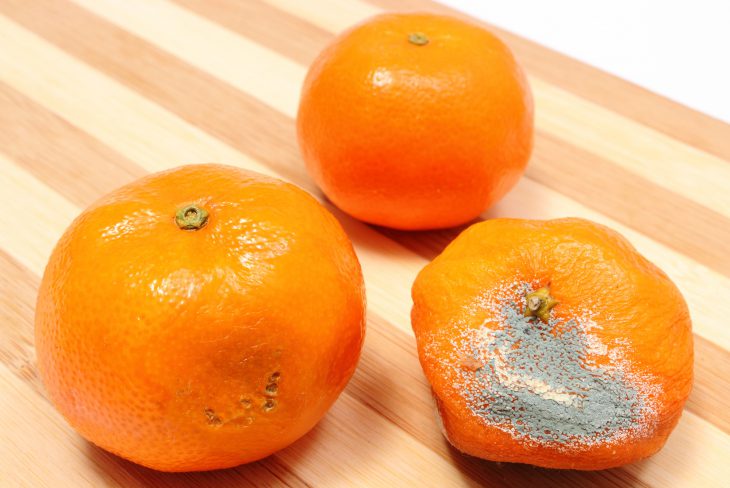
point(18, 291)
point(665, 216)
point(254, 17)
point(712, 384)
point(48, 147)
point(628, 99)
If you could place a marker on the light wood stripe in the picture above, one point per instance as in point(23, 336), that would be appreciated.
point(634, 147)
point(681, 269)
point(330, 15)
point(239, 120)
point(30, 230)
point(712, 384)
point(253, 18)
point(23, 123)
point(269, 75)
point(675, 220)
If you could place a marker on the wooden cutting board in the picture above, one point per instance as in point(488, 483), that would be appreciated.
point(94, 93)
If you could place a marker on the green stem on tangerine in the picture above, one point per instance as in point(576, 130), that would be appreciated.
point(539, 304)
point(418, 38)
point(191, 217)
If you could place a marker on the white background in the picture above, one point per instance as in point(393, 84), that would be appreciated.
point(679, 49)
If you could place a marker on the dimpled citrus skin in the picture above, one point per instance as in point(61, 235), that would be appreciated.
point(188, 350)
point(415, 136)
point(586, 266)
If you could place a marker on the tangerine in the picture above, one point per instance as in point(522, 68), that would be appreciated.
point(199, 318)
point(415, 121)
point(552, 343)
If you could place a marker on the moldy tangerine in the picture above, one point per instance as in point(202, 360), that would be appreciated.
point(552, 343)
point(415, 121)
point(199, 318)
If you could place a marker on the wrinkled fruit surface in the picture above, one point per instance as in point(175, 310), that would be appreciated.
point(599, 381)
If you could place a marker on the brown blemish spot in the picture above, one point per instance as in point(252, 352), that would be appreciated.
point(213, 419)
point(272, 387)
point(245, 402)
point(269, 405)
point(469, 363)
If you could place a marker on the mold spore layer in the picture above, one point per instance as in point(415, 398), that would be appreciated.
point(541, 382)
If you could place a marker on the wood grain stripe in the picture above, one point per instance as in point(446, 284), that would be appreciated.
point(632, 147)
point(165, 80)
point(253, 17)
point(628, 99)
point(332, 16)
point(712, 384)
point(30, 230)
point(16, 334)
point(678, 221)
point(270, 74)
point(23, 123)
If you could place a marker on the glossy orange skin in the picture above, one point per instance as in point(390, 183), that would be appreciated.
point(159, 344)
point(415, 137)
point(583, 263)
